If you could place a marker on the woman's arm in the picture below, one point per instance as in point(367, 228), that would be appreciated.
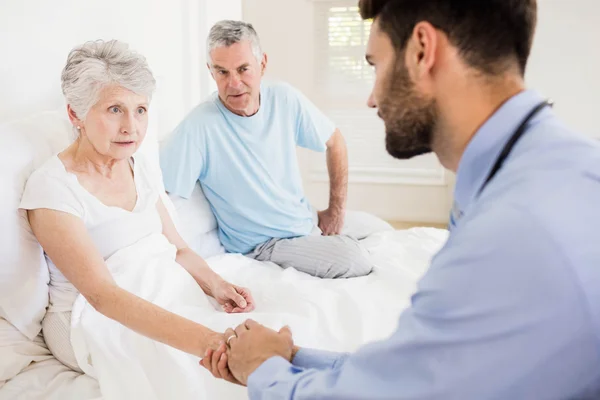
point(65, 240)
point(192, 262)
point(233, 298)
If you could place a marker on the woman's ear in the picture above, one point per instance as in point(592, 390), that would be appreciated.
point(73, 117)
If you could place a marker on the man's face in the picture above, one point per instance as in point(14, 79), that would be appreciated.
point(409, 116)
point(238, 73)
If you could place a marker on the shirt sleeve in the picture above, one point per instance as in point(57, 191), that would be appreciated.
point(478, 328)
point(313, 127)
point(319, 359)
point(45, 191)
point(181, 159)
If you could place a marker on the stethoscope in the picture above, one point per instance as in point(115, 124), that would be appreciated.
point(509, 146)
point(506, 150)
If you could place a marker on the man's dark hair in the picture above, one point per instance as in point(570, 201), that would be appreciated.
point(488, 33)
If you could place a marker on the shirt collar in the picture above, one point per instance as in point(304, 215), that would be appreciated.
point(485, 147)
point(233, 115)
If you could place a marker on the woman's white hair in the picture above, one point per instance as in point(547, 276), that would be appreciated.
point(93, 65)
point(228, 32)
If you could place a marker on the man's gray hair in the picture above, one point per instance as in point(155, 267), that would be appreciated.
point(228, 32)
point(93, 65)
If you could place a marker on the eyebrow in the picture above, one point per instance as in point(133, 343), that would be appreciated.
point(225, 69)
point(119, 104)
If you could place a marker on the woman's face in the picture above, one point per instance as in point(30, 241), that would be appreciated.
point(116, 125)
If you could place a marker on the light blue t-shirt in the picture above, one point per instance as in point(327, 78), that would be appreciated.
point(247, 166)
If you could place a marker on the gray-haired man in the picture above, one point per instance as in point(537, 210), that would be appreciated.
point(241, 146)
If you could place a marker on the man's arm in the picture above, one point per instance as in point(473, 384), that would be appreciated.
point(478, 328)
point(317, 359)
point(331, 221)
point(314, 132)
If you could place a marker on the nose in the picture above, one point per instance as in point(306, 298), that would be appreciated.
point(235, 81)
point(128, 126)
point(371, 101)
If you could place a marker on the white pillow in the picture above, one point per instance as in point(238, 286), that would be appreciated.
point(24, 146)
point(207, 244)
point(360, 224)
point(195, 217)
point(197, 224)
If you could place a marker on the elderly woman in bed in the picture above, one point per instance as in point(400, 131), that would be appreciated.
point(96, 197)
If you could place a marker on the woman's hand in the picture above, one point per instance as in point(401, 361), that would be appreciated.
point(213, 341)
point(234, 299)
point(215, 361)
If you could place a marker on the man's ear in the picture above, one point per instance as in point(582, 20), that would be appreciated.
point(422, 49)
point(210, 70)
point(263, 64)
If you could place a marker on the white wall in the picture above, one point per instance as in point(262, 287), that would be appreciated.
point(565, 60)
point(564, 65)
point(36, 36)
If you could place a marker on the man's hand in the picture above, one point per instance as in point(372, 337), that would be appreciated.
point(234, 299)
point(215, 361)
point(252, 345)
point(331, 221)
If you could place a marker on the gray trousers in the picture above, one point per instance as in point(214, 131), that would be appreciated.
point(340, 256)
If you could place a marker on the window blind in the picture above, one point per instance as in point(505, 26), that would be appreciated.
point(343, 82)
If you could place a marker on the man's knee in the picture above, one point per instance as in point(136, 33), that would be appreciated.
point(353, 262)
point(359, 267)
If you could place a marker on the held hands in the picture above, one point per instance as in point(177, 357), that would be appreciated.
point(331, 221)
point(234, 299)
point(249, 345)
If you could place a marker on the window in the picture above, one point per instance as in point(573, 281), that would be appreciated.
point(342, 35)
point(343, 82)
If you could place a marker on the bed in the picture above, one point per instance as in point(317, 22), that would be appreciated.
point(345, 314)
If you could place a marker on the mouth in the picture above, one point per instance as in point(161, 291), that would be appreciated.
point(124, 144)
point(237, 96)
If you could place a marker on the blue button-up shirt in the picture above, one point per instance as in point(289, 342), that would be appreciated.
point(510, 307)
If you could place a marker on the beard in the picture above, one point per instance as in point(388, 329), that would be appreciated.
point(410, 118)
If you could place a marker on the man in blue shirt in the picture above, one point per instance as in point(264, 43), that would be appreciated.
point(510, 307)
point(241, 146)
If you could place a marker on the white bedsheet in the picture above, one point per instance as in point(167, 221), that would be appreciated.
point(336, 315)
point(50, 380)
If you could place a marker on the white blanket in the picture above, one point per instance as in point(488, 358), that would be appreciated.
point(334, 315)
